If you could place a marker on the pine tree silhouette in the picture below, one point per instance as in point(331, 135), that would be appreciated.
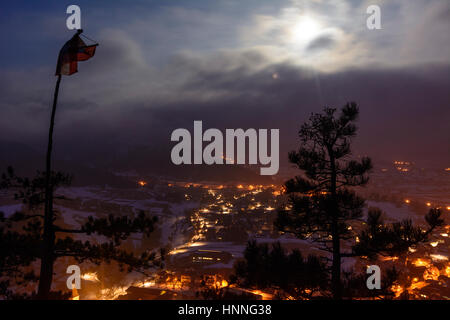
point(21, 237)
point(323, 204)
point(273, 267)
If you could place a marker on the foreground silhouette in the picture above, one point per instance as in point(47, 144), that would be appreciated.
point(21, 238)
point(324, 209)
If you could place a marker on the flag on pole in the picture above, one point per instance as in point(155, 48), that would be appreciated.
point(73, 51)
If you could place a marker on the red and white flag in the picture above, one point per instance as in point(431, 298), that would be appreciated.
point(73, 51)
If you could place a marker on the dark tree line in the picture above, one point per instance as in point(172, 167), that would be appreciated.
point(21, 238)
point(267, 266)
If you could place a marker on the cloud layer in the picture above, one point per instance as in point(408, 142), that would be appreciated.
point(162, 68)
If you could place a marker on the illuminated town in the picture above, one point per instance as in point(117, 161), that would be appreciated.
point(205, 226)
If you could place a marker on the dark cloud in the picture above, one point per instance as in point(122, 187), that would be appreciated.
point(120, 100)
point(323, 42)
point(403, 111)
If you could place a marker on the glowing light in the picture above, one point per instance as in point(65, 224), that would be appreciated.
point(388, 259)
point(431, 273)
point(75, 295)
point(438, 257)
point(221, 284)
point(264, 295)
point(407, 201)
point(196, 244)
point(177, 251)
point(421, 262)
point(147, 284)
point(142, 183)
point(112, 293)
point(397, 289)
point(447, 271)
point(417, 285)
point(305, 30)
point(90, 276)
point(434, 244)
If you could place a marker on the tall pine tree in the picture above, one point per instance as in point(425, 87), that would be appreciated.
point(322, 203)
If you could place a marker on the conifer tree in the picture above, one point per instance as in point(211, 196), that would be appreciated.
point(21, 237)
point(291, 274)
point(323, 204)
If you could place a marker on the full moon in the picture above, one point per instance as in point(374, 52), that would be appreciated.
point(305, 30)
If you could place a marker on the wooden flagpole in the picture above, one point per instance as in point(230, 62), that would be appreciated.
point(46, 272)
point(48, 243)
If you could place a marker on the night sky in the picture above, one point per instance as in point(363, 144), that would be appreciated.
point(250, 64)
